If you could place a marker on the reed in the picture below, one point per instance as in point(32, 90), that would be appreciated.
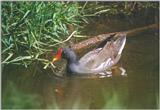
point(30, 29)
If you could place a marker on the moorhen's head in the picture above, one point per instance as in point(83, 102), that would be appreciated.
point(66, 53)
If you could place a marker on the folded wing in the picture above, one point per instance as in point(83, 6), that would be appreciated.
point(105, 57)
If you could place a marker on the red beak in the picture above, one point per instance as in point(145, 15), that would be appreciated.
point(58, 55)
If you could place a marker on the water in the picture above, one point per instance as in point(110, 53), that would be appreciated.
point(140, 89)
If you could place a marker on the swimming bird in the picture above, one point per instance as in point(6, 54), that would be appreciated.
point(98, 60)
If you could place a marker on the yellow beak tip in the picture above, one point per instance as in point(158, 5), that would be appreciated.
point(54, 59)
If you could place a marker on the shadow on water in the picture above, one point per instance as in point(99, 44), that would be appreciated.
point(138, 90)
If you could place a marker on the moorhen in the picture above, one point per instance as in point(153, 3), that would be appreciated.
point(97, 60)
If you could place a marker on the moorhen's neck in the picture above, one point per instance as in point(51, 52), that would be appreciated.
point(72, 59)
point(70, 55)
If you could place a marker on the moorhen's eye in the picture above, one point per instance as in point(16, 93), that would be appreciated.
point(64, 54)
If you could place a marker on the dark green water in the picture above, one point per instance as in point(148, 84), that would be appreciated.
point(140, 89)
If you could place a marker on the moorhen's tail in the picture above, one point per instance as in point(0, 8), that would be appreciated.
point(119, 43)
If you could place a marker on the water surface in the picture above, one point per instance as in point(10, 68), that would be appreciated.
point(140, 89)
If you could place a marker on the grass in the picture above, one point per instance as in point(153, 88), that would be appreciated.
point(117, 8)
point(30, 29)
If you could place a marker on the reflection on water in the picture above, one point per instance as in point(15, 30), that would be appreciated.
point(138, 90)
